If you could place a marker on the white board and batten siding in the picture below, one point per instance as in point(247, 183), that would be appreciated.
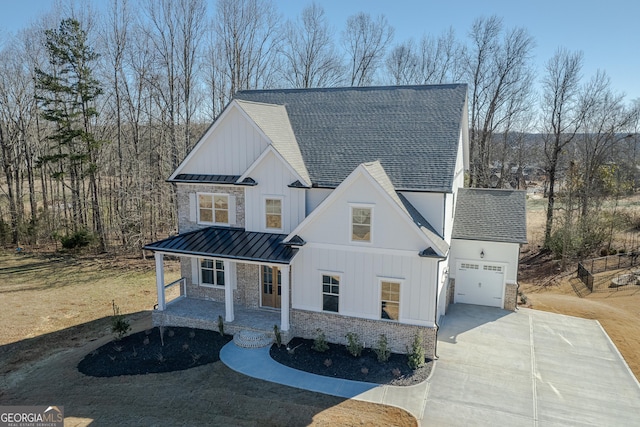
point(315, 196)
point(389, 230)
point(391, 255)
point(231, 145)
point(360, 276)
point(273, 178)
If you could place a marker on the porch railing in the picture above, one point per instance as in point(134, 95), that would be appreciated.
point(183, 284)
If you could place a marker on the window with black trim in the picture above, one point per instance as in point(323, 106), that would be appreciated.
point(211, 272)
point(330, 292)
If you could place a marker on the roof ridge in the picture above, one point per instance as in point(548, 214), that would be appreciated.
point(351, 88)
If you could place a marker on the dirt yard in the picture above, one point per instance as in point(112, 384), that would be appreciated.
point(56, 309)
point(618, 311)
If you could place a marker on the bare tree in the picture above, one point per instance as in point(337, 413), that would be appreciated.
point(366, 40)
point(309, 55)
point(441, 58)
point(607, 122)
point(499, 64)
point(562, 118)
point(402, 64)
point(247, 42)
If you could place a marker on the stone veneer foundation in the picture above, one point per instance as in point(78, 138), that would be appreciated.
point(305, 324)
point(511, 296)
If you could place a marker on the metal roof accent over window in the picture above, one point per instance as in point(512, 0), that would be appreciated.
point(212, 179)
point(228, 243)
point(296, 241)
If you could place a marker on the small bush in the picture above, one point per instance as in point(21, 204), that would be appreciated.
point(320, 343)
point(278, 335)
point(354, 345)
point(220, 326)
point(77, 240)
point(119, 323)
point(415, 354)
point(382, 349)
point(523, 297)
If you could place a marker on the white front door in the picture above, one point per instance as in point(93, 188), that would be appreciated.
point(480, 283)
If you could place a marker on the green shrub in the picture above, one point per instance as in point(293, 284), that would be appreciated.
point(523, 297)
point(415, 354)
point(320, 343)
point(278, 335)
point(382, 349)
point(220, 326)
point(77, 240)
point(119, 323)
point(354, 345)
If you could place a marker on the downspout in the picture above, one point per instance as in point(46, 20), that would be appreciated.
point(435, 317)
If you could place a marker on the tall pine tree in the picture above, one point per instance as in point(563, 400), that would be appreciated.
point(67, 93)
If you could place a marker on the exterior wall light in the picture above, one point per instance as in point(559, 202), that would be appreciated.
point(481, 253)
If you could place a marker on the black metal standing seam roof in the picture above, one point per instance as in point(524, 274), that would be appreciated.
point(413, 130)
point(491, 215)
point(210, 179)
point(229, 243)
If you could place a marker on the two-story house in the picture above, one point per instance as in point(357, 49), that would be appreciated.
point(342, 210)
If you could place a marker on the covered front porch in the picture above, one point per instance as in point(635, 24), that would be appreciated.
point(225, 277)
point(204, 314)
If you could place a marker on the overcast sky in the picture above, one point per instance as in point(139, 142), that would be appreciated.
point(607, 31)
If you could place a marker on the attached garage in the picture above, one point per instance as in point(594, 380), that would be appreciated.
point(480, 283)
point(489, 227)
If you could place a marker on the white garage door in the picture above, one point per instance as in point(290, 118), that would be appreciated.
point(479, 283)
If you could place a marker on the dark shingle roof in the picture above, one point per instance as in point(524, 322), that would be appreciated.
point(413, 131)
point(230, 243)
point(491, 215)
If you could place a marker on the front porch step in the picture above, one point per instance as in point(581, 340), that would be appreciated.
point(252, 339)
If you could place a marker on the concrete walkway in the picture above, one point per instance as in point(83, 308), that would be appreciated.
point(495, 367)
point(257, 363)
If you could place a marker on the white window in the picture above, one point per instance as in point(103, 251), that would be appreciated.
point(330, 292)
point(361, 223)
point(213, 208)
point(211, 272)
point(273, 213)
point(389, 300)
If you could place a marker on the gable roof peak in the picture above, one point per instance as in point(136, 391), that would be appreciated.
point(414, 131)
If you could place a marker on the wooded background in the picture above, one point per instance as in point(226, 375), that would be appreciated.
point(97, 110)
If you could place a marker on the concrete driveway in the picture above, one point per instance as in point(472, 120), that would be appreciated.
point(528, 368)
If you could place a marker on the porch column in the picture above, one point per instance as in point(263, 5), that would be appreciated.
point(229, 279)
point(160, 279)
point(284, 300)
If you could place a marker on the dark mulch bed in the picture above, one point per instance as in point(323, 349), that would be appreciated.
point(344, 365)
point(143, 352)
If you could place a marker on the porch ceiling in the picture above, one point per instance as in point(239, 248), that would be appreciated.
point(228, 243)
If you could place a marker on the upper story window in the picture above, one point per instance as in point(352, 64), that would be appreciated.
point(213, 208)
point(273, 209)
point(361, 224)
